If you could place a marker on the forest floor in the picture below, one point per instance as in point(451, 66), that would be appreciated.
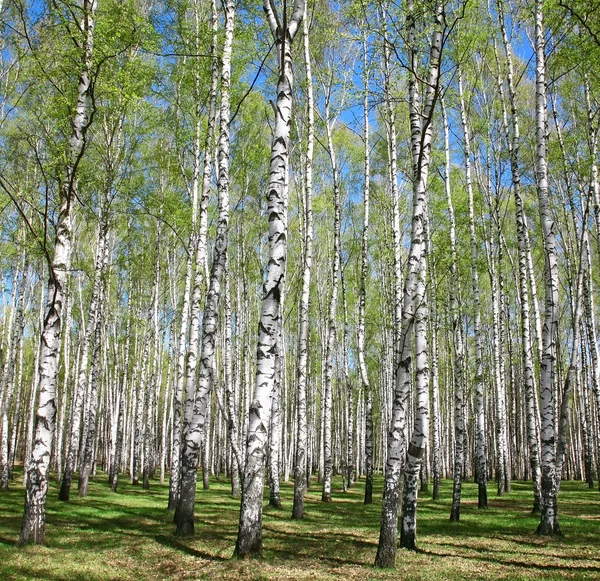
point(129, 536)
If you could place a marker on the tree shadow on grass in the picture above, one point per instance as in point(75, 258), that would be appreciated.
point(327, 547)
point(180, 545)
point(511, 562)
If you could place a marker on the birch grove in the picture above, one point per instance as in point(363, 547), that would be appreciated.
point(335, 250)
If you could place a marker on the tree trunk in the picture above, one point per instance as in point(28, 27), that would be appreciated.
point(34, 517)
point(479, 388)
point(184, 515)
point(413, 313)
point(301, 462)
point(249, 541)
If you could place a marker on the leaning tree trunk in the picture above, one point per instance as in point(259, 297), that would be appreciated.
point(421, 138)
point(34, 516)
point(249, 541)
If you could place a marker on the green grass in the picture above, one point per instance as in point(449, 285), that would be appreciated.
point(129, 536)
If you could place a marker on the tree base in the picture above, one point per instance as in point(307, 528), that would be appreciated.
point(255, 551)
point(408, 541)
point(547, 529)
point(385, 559)
point(185, 529)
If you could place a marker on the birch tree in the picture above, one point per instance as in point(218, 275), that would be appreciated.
point(283, 29)
point(34, 516)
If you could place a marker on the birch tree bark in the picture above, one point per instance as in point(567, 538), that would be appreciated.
point(549, 518)
point(421, 139)
point(301, 463)
point(362, 296)
point(195, 242)
point(459, 350)
point(87, 459)
point(184, 515)
point(13, 352)
point(414, 315)
point(479, 387)
point(249, 541)
point(34, 516)
point(523, 252)
point(332, 313)
point(88, 345)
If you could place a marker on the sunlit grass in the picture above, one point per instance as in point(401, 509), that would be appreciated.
point(129, 536)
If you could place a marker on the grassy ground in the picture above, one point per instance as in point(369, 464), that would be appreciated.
point(129, 536)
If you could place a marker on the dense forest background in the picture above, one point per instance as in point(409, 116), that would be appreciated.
point(277, 241)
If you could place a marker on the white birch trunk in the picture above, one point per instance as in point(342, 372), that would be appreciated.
point(332, 314)
point(523, 251)
point(364, 272)
point(249, 541)
point(301, 461)
point(184, 515)
point(414, 314)
point(34, 517)
point(479, 387)
point(549, 518)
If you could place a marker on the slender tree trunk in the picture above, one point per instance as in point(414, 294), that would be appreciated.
point(479, 388)
point(275, 431)
point(8, 380)
point(459, 351)
point(34, 516)
point(184, 515)
point(249, 541)
point(66, 382)
point(435, 393)
point(414, 314)
point(362, 297)
point(549, 518)
point(523, 252)
point(302, 469)
point(87, 465)
point(230, 392)
point(332, 314)
point(88, 344)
